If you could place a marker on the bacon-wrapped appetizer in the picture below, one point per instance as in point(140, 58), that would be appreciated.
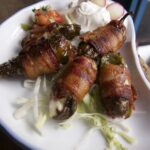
point(73, 85)
point(42, 57)
point(104, 39)
point(117, 92)
point(36, 33)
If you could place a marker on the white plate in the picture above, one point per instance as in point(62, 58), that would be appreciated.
point(54, 138)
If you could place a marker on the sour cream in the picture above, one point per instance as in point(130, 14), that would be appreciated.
point(90, 16)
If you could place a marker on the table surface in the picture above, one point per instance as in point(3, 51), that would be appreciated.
point(8, 8)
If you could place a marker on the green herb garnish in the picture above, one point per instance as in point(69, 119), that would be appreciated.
point(26, 27)
point(34, 9)
point(45, 8)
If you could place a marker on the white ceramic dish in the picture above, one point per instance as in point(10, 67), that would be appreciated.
point(54, 138)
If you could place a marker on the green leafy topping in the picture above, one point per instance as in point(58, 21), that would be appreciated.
point(45, 8)
point(34, 9)
point(26, 27)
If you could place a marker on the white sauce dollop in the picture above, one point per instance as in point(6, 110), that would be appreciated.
point(90, 16)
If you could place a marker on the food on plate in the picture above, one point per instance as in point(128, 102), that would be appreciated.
point(104, 39)
point(117, 93)
point(36, 32)
point(145, 68)
point(44, 48)
point(45, 16)
point(74, 84)
point(49, 48)
point(89, 16)
point(42, 57)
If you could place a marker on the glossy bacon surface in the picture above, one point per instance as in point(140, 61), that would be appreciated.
point(41, 57)
point(77, 79)
point(105, 39)
point(117, 93)
point(41, 60)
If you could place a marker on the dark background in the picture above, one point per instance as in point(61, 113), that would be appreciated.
point(9, 7)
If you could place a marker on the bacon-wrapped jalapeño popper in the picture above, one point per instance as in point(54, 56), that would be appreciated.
point(42, 57)
point(45, 47)
point(104, 39)
point(69, 31)
point(45, 21)
point(117, 92)
point(73, 85)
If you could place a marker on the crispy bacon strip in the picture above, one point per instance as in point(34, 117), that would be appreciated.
point(104, 39)
point(77, 80)
point(117, 93)
point(41, 60)
point(42, 57)
point(73, 85)
point(69, 31)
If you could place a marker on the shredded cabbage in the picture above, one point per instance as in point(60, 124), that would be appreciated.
point(39, 102)
point(109, 128)
point(68, 19)
point(23, 110)
point(29, 84)
point(36, 97)
point(41, 121)
point(90, 109)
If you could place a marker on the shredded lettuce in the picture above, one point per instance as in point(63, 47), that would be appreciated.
point(21, 101)
point(68, 19)
point(29, 84)
point(41, 121)
point(39, 102)
point(109, 133)
point(90, 109)
point(36, 97)
point(23, 110)
point(126, 137)
point(65, 125)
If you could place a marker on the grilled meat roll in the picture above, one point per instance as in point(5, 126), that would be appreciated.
point(104, 39)
point(117, 92)
point(42, 57)
point(74, 84)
